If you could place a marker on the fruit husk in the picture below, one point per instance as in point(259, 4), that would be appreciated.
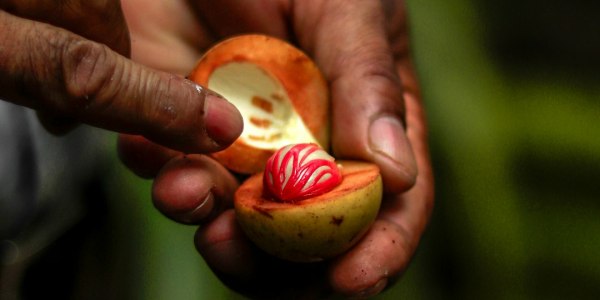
point(303, 82)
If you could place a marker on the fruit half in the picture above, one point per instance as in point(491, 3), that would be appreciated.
point(313, 229)
point(279, 91)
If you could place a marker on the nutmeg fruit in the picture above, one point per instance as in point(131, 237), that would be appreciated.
point(301, 210)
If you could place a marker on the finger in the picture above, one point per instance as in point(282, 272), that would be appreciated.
point(365, 270)
point(56, 125)
point(349, 42)
point(412, 210)
point(162, 41)
point(143, 157)
point(46, 68)
point(231, 17)
point(384, 253)
point(226, 249)
point(98, 20)
point(192, 189)
point(251, 272)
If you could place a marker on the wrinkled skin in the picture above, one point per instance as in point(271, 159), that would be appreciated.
point(361, 47)
point(67, 60)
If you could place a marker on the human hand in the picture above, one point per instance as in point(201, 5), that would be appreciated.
point(67, 60)
point(362, 48)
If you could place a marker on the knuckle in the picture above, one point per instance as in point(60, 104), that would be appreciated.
point(384, 83)
point(177, 106)
point(384, 75)
point(378, 64)
point(88, 70)
point(370, 61)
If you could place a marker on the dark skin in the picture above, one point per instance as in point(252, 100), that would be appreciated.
point(76, 70)
point(377, 115)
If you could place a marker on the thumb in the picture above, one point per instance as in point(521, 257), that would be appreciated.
point(367, 97)
point(53, 70)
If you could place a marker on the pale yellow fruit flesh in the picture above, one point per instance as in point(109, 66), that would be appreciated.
point(270, 120)
point(314, 229)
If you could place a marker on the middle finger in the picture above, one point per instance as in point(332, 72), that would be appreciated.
point(193, 189)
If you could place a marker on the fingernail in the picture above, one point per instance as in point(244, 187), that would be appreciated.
point(201, 212)
point(387, 138)
point(372, 291)
point(223, 121)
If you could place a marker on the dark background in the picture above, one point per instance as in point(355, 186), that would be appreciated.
point(512, 91)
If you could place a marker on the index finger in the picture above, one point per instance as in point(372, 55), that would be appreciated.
point(51, 69)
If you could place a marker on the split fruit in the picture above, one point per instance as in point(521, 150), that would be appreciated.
point(308, 229)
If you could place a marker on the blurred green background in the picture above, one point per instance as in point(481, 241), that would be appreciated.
point(511, 89)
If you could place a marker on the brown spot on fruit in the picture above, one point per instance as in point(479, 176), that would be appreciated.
point(262, 211)
point(239, 58)
point(300, 59)
point(263, 104)
point(269, 138)
point(259, 122)
point(257, 137)
point(277, 97)
point(275, 136)
point(336, 220)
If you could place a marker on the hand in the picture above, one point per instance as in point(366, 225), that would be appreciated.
point(362, 48)
point(67, 60)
